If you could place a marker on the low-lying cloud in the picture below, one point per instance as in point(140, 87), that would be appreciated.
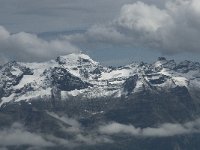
point(82, 136)
point(28, 47)
point(172, 29)
point(17, 135)
point(164, 130)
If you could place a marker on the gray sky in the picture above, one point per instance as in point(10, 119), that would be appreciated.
point(58, 15)
point(114, 32)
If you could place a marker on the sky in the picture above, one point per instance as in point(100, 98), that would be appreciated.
point(113, 32)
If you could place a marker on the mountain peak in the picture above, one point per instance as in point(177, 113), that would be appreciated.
point(75, 58)
point(77, 71)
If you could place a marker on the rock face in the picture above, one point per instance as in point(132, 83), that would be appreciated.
point(78, 75)
point(41, 95)
point(10, 75)
point(65, 81)
point(130, 83)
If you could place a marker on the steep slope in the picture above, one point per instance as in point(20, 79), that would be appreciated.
point(139, 96)
point(78, 75)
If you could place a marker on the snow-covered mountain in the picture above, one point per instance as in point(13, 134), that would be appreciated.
point(77, 75)
point(66, 101)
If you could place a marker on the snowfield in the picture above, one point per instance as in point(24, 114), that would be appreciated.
point(88, 79)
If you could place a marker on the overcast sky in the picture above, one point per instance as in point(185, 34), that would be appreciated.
point(114, 32)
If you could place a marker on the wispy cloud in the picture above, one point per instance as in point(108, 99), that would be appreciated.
point(164, 130)
point(17, 135)
point(70, 121)
point(81, 134)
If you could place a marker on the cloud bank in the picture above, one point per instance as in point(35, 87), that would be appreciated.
point(17, 135)
point(28, 47)
point(82, 136)
point(164, 130)
point(175, 28)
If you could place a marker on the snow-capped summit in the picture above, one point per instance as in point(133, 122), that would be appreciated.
point(75, 59)
point(78, 75)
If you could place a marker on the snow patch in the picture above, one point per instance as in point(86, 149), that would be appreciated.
point(25, 80)
point(16, 71)
point(164, 71)
point(7, 99)
point(116, 74)
point(180, 81)
point(43, 93)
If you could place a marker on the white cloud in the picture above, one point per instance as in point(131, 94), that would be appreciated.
point(92, 139)
point(16, 135)
point(115, 128)
point(28, 47)
point(142, 17)
point(164, 130)
point(172, 29)
point(81, 136)
point(61, 142)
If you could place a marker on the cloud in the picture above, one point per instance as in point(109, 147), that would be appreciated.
point(171, 29)
point(28, 47)
point(164, 130)
point(61, 141)
point(115, 128)
point(17, 135)
point(66, 119)
point(142, 17)
point(81, 135)
point(103, 133)
point(61, 15)
point(93, 139)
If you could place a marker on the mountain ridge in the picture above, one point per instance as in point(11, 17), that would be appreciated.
point(78, 74)
point(75, 101)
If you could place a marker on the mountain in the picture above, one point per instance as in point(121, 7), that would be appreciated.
point(79, 75)
point(50, 98)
